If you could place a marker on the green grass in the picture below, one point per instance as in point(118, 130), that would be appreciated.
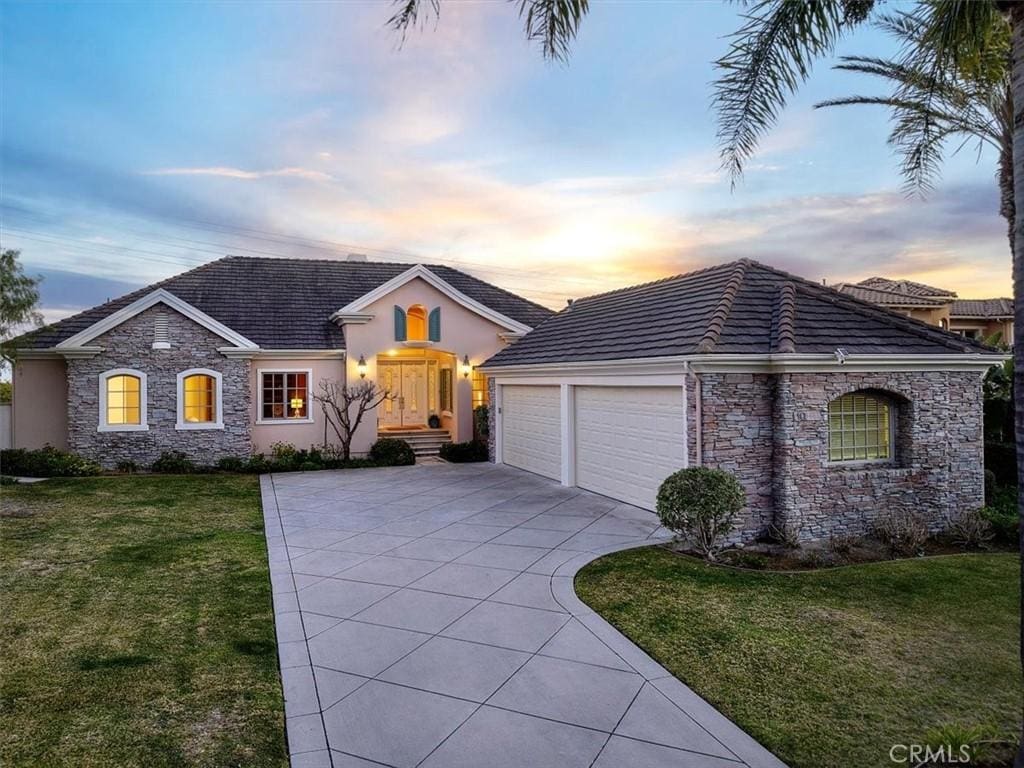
point(136, 625)
point(828, 667)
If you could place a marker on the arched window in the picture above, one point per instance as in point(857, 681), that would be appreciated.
point(122, 401)
point(199, 399)
point(416, 323)
point(860, 428)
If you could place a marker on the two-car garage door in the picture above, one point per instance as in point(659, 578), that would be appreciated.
point(627, 440)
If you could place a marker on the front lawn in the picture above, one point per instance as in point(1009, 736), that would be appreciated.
point(136, 626)
point(834, 666)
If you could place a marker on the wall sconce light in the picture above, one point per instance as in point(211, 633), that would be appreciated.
point(361, 367)
point(465, 367)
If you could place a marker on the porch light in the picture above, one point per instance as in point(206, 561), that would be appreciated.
point(361, 367)
point(465, 367)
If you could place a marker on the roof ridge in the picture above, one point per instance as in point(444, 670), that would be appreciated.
point(721, 313)
point(669, 278)
point(907, 296)
point(917, 327)
point(905, 282)
point(786, 332)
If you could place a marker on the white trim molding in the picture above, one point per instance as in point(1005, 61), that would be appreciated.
point(143, 425)
point(218, 403)
point(159, 296)
point(356, 308)
point(309, 396)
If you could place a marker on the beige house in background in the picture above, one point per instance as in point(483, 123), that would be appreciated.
point(977, 319)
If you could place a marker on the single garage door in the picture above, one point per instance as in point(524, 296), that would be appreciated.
point(628, 440)
point(531, 434)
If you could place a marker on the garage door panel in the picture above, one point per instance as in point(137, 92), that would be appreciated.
point(531, 436)
point(628, 440)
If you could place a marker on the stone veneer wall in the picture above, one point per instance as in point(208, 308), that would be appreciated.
point(492, 419)
point(939, 458)
point(129, 345)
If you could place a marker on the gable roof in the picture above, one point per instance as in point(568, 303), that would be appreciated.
point(888, 298)
point(988, 309)
point(738, 308)
point(908, 287)
point(287, 303)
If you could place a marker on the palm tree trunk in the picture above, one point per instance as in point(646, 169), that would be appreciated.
point(1017, 84)
point(1007, 198)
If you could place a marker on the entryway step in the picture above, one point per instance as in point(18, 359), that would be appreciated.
point(424, 442)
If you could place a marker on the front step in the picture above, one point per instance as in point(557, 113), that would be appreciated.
point(424, 442)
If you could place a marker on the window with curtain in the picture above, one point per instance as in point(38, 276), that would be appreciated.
point(285, 395)
point(200, 399)
point(446, 389)
point(124, 400)
point(481, 395)
point(860, 428)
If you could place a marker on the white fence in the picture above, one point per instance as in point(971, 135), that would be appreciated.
point(5, 425)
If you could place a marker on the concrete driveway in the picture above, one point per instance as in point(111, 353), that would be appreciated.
point(426, 617)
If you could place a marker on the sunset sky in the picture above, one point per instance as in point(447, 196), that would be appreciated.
point(142, 140)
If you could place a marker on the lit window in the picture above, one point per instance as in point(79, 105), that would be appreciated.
point(199, 399)
point(416, 323)
point(284, 395)
point(123, 400)
point(859, 428)
point(446, 389)
point(481, 395)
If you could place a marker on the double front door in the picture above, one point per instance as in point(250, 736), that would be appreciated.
point(407, 383)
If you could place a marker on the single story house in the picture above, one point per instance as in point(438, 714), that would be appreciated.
point(225, 360)
point(830, 410)
point(974, 318)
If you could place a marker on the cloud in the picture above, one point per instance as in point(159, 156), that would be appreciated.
point(238, 173)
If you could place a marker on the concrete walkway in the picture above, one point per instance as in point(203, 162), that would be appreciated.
point(426, 617)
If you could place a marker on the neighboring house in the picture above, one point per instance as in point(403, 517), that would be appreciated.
point(974, 318)
point(224, 360)
point(830, 410)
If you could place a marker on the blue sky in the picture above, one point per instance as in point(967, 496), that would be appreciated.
point(139, 140)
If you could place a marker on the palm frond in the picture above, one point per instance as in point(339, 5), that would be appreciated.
point(407, 14)
point(769, 57)
point(554, 23)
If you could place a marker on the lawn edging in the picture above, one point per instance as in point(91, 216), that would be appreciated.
point(731, 735)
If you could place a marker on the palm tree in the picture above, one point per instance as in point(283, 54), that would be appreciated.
point(970, 103)
point(773, 53)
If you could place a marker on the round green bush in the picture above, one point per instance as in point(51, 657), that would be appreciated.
point(700, 504)
point(392, 452)
point(174, 463)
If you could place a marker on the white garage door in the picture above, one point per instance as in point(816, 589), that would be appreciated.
point(531, 434)
point(628, 440)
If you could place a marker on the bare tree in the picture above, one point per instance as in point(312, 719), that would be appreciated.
point(338, 400)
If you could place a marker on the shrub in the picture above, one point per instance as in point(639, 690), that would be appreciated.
point(310, 466)
point(482, 421)
point(257, 463)
point(969, 529)
point(127, 467)
point(174, 463)
point(903, 532)
point(842, 544)
point(788, 535)
point(392, 452)
point(1003, 517)
point(231, 464)
point(474, 450)
point(5, 480)
point(46, 462)
point(990, 487)
point(755, 561)
point(1001, 458)
point(700, 504)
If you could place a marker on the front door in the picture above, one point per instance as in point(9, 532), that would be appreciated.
point(407, 383)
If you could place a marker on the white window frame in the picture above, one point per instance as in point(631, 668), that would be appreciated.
point(309, 396)
point(218, 423)
point(143, 425)
point(893, 416)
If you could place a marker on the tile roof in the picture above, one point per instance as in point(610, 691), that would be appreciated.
point(888, 298)
point(908, 287)
point(743, 307)
point(982, 308)
point(287, 303)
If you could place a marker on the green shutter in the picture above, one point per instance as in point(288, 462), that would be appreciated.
point(400, 334)
point(434, 324)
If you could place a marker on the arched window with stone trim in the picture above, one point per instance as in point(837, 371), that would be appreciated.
point(862, 427)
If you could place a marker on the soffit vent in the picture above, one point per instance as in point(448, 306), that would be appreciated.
point(161, 332)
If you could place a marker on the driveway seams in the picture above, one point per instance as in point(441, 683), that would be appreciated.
point(426, 616)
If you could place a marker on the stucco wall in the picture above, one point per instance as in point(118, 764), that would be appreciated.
point(129, 345)
point(40, 414)
point(299, 434)
point(463, 333)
